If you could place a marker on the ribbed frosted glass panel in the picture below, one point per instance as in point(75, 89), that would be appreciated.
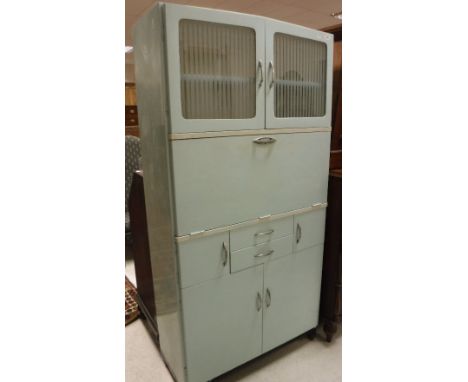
point(300, 78)
point(218, 65)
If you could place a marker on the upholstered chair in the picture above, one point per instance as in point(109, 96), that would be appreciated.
point(132, 162)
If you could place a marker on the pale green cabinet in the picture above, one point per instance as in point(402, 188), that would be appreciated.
point(235, 115)
point(203, 259)
point(309, 229)
point(215, 69)
point(225, 180)
point(260, 253)
point(298, 86)
point(270, 295)
point(231, 71)
point(292, 293)
point(222, 323)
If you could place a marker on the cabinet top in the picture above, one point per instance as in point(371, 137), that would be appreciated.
point(319, 34)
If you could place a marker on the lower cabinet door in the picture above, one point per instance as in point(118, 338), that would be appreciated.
point(222, 321)
point(291, 296)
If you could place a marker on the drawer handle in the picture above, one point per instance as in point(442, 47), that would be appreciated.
point(268, 298)
point(225, 254)
point(258, 234)
point(259, 302)
point(298, 233)
point(263, 254)
point(264, 140)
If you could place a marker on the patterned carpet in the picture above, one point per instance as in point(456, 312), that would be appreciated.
point(131, 306)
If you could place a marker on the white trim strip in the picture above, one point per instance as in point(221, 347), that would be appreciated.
point(236, 133)
point(214, 231)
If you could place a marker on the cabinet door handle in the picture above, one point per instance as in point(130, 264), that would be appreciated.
point(269, 232)
point(225, 254)
point(268, 298)
point(271, 69)
point(260, 69)
point(264, 140)
point(263, 254)
point(298, 233)
point(259, 302)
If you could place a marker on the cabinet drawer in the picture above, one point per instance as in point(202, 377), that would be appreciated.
point(309, 229)
point(258, 254)
point(203, 259)
point(227, 180)
point(261, 233)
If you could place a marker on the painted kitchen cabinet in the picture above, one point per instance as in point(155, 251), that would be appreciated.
point(298, 87)
point(225, 69)
point(269, 297)
point(222, 323)
point(234, 114)
point(292, 289)
point(215, 68)
point(234, 179)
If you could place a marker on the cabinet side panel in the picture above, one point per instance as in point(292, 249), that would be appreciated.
point(151, 96)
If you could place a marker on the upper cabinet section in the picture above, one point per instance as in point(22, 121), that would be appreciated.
point(299, 81)
point(231, 71)
point(218, 73)
point(215, 69)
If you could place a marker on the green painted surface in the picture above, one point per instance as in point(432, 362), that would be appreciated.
point(245, 258)
point(223, 328)
point(294, 285)
point(312, 227)
point(227, 180)
point(202, 259)
point(260, 233)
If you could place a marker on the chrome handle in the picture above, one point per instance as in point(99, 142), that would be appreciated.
point(260, 68)
point(225, 254)
point(258, 234)
point(268, 298)
point(259, 302)
point(298, 233)
point(263, 254)
point(271, 69)
point(264, 140)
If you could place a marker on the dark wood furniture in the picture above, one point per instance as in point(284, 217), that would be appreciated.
point(330, 301)
point(330, 304)
point(140, 243)
point(131, 112)
point(335, 145)
point(131, 115)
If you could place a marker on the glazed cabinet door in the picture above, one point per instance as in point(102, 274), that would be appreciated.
point(299, 68)
point(222, 321)
point(215, 69)
point(291, 296)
